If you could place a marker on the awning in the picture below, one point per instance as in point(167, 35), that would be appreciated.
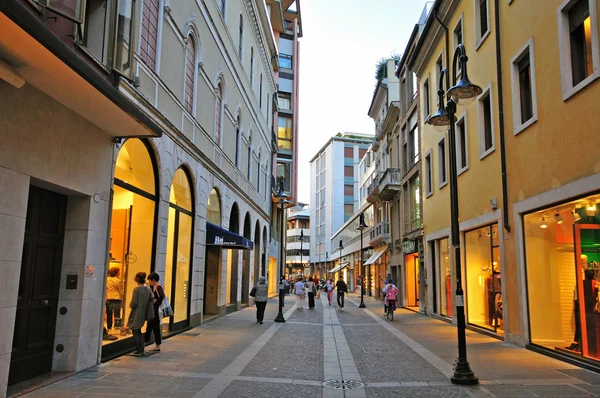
point(217, 236)
point(375, 256)
point(338, 268)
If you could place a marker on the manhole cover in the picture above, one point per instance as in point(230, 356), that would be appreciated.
point(344, 384)
point(193, 334)
point(375, 349)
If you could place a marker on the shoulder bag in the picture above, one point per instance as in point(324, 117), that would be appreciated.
point(165, 309)
point(150, 315)
point(253, 292)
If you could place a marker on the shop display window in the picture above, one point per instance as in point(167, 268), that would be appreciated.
point(131, 235)
point(446, 288)
point(411, 262)
point(562, 253)
point(483, 278)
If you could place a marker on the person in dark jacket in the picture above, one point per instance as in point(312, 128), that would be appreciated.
point(140, 300)
point(154, 325)
point(342, 289)
point(260, 298)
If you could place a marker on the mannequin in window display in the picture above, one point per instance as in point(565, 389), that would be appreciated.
point(576, 344)
point(497, 288)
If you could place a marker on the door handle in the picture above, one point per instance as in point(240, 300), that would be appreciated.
point(45, 303)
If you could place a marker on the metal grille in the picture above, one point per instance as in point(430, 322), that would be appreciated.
point(343, 384)
point(374, 350)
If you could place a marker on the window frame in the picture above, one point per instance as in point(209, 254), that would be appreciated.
point(428, 166)
point(455, 43)
point(526, 50)
point(566, 70)
point(241, 39)
point(426, 98)
point(442, 163)
point(481, 36)
point(144, 7)
point(438, 73)
point(487, 93)
point(219, 95)
point(191, 34)
point(463, 119)
point(251, 66)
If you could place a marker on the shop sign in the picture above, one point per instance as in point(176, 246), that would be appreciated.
point(409, 246)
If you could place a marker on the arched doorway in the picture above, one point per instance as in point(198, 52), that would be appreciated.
point(212, 260)
point(246, 261)
point(132, 238)
point(233, 258)
point(177, 281)
point(257, 253)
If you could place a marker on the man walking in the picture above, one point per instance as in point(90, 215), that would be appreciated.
point(341, 290)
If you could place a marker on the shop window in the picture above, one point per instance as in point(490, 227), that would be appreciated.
point(563, 272)
point(149, 34)
point(524, 96)
point(179, 251)
point(132, 233)
point(446, 289)
point(486, 123)
point(483, 278)
point(578, 44)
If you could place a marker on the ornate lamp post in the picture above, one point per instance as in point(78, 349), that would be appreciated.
point(463, 93)
point(301, 241)
point(326, 265)
point(361, 227)
point(281, 198)
point(341, 247)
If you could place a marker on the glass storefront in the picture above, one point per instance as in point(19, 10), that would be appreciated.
point(131, 235)
point(178, 257)
point(483, 276)
point(562, 253)
point(411, 262)
point(444, 273)
point(212, 270)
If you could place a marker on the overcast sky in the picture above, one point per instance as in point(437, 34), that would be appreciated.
point(342, 42)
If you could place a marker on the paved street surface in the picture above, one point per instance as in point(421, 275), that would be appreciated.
point(317, 350)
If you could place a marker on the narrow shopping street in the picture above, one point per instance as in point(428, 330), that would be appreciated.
point(409, 357)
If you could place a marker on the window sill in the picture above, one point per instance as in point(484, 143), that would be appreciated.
point(519, 128)
point(443, 184)
point(482, 39)
point(486, 153)
point(428, 194)
point(584, 83)
point(460, 171)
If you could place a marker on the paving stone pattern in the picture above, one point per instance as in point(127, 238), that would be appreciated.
point(422, 392)
point(305, 315)
point(292, 353)
point(270, 390)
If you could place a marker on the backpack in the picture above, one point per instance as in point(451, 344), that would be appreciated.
point(392, 294)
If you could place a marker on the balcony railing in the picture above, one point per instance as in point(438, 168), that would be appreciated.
point(380, 234)
point(390, 184)
point(373, 190)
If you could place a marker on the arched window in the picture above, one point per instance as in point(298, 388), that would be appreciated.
point(179, 250)
point(218, 113)
point(148, 39)
point(252, 67)
point(190, 73)
point(213, 208)
point(237, 141)
point(260, 93)
point(241, 38)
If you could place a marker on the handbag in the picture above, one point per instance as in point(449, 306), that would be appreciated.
point(165, 309)
point(314, 289)
point(253, 292)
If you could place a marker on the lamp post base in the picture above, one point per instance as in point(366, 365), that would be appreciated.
point(463, 375)
point(280, 317)
point(362, 305)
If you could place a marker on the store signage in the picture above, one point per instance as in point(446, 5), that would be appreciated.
point(409, 246)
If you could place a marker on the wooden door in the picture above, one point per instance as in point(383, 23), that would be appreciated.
point(39, 285)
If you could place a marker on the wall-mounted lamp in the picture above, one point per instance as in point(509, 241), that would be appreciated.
point(576, 216)
point(11, 76)
point(558, 218)
point(590, 210)
point(544, 222)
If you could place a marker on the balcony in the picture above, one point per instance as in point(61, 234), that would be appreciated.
point(389, 184)
point(376, 144)
point(373, 190)
point(380, 234)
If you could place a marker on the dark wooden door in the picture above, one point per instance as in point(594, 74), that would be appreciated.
point(39, 285)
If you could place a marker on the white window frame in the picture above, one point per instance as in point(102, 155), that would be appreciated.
point(428, 174)
point(427, 100)
point(564, 42)
point(458, 142)
point(437, 76)
point(462, 30)
point(441, 164)
point(487, 92)
point(221, 112)
point(479, 37)
point(527, 49)
point(241, 38)
point(252, 67)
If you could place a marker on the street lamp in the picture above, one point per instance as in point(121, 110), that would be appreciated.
point(341, 247)
point(301, 241)
point(326, 268)
point(281, 197)
point(462, 93)
point(361, 227)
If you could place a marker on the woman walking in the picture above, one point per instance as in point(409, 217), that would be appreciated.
point(260, 298)
point(329, 286)
point(310, 287)
point(299, 286)
point(158, 294)
point(140, 300)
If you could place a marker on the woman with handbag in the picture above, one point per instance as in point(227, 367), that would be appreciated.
point(310, 287)
point(141, 310)
point(158, 294)
point(260, 292)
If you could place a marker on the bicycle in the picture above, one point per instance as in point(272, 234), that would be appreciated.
point(390, 310)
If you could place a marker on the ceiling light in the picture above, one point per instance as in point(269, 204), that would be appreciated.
point(590, 210)
point(544, 222)
point(576, 216)
point(558, 218)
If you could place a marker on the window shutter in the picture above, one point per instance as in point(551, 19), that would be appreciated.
point(578, 13)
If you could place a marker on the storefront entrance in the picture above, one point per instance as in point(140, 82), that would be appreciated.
point(37, 302)
point(411, 262)
point(484, 276)
point(212, 259)
point(446, 288)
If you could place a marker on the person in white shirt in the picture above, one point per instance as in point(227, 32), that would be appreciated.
point(299, 286)
point(329, 286)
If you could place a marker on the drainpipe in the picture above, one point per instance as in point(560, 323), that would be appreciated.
point(501, 116)
point(435, 15)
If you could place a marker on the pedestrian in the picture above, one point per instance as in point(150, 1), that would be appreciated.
point(158, 293)
point(114, 298)
point(329, 286)
point(140, 301)
point(260, 298)
point(310, 287)
point(342, 289)
point(299, 286)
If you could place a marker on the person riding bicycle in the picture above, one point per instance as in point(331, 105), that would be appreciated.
point(391, 295)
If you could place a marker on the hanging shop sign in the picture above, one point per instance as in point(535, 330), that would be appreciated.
point(409, 246)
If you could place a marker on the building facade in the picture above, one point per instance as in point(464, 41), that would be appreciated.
point(160, 160)
point(298, 242)
point(334, 187)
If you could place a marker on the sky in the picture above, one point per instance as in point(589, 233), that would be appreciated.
point(343, 41)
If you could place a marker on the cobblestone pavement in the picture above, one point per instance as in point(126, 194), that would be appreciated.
point(326, 352)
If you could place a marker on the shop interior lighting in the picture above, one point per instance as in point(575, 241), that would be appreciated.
point(576, 216)
point(558, 218)
point(544, 222)
point(590, 210)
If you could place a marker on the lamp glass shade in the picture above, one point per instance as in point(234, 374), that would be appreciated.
point(439, 120)
point(464, 92)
